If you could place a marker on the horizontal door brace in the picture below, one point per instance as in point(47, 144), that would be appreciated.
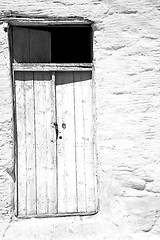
point(52, 66)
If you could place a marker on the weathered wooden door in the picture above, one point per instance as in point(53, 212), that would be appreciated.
point(35, 113)
point(55, 144)
point(55, 151)
point(76, 183)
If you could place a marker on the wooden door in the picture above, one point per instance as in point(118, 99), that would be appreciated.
point(76, 173)
point(56, 172)
point(35, 113)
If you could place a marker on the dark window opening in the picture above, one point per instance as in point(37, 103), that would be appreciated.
point(71, 45)
point(57, 44)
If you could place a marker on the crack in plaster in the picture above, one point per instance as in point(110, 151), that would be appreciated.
point(128, 12)
point(8, 226)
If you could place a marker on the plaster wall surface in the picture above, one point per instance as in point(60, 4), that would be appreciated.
point(127, 72)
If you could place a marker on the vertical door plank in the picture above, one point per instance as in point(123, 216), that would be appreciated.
point(88, 129)
point(80, 141)
point(61, 183)
point(30, 143)
point(41, 158)
point(22, 151)
point(84, 141)
point(45, 143)
point(51, 143)
point(67, 196)
point(61, 164)
point(26, 143)
point(40, 46)
point(21, 49)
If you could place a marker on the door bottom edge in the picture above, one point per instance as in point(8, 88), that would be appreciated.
point(70, 214)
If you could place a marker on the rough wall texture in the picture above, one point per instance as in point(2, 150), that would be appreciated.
point(127, 60)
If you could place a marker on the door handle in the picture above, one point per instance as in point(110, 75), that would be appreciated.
point(56, 129)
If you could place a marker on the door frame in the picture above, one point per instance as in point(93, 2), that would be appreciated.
point(53, 68)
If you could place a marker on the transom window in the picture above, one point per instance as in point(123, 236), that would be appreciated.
point(69, 44)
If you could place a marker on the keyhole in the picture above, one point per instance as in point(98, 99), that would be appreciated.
point(63, 125)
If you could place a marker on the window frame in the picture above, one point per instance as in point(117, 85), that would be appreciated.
point(42, 22)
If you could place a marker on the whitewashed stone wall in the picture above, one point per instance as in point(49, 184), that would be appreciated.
point(127, 76)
